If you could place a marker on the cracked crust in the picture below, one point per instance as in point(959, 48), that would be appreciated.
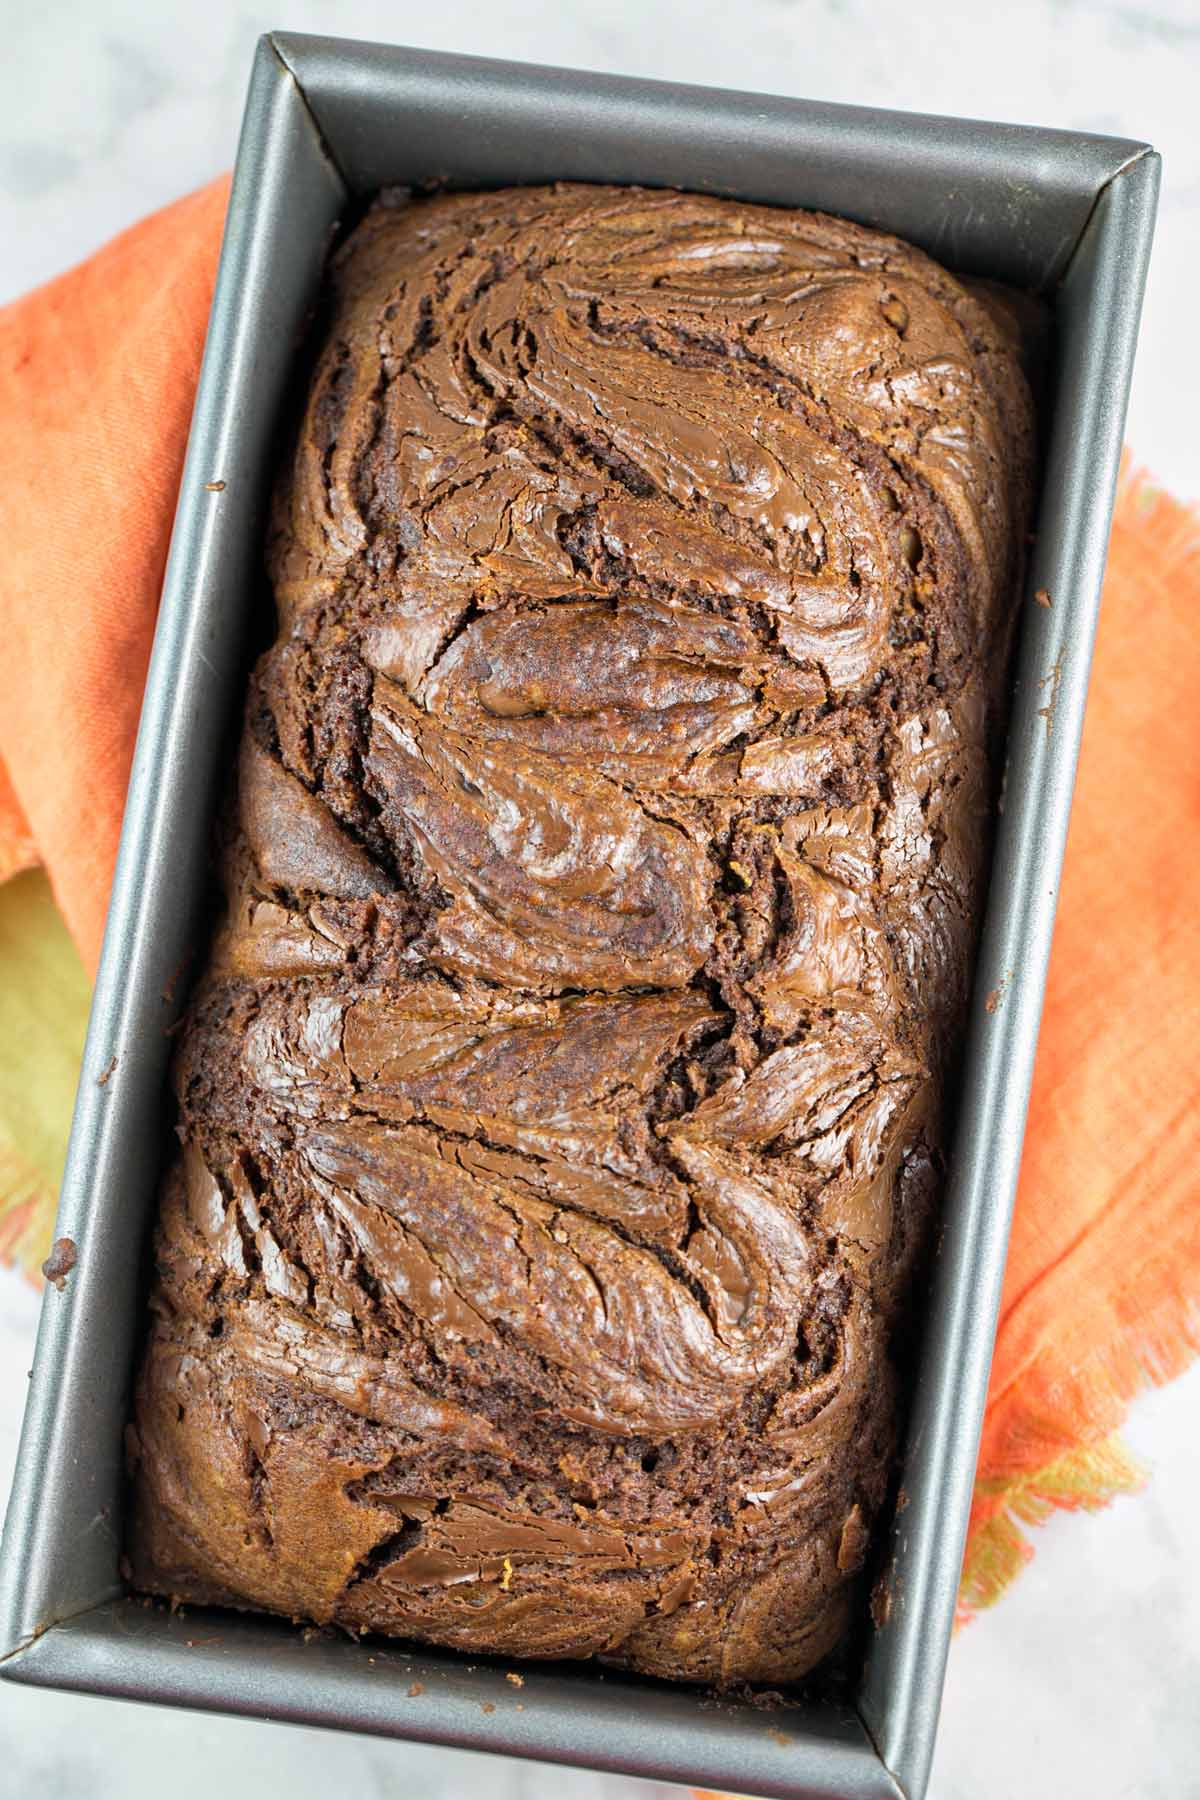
point(561, 1111)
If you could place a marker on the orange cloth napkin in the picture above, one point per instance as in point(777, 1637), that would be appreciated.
point(97, 376)
point(97, 372)
point(1102, 1287)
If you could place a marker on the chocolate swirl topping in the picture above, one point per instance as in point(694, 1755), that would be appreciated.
point(561, 1111)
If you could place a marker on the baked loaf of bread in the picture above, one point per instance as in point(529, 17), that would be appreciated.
point(561, 1109)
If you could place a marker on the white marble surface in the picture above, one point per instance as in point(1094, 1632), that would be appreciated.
point(1086, 1679)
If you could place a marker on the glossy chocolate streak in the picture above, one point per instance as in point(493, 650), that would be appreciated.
point(560, 1112)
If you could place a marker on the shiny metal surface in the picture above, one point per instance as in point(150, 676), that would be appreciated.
point(1069, 214)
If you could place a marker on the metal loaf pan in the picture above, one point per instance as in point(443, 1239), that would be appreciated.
point(1068, 215)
